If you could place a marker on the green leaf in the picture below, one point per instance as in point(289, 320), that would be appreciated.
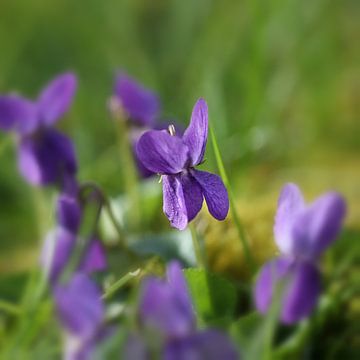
point(214, 297)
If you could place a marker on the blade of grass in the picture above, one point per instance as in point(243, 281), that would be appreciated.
point(240, 229)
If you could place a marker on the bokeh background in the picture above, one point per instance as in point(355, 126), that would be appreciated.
point(281, 79)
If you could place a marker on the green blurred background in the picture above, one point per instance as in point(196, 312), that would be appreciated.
point(281, 79)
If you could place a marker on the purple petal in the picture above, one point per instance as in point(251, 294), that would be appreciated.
point(215, 193)
point(56, 98)
point(162, 153)
point(302, 288)
point(195, 136)
point(95, 258)
point(173, 202)
point(17, 114)
point(176, 280)
point(46, 158)
point(290, 203)
point(141, 105)
point(317, 226)
point(69, 212)
point(163, 311)
point(56, 252)
point(135, 349)
point(193, 195)
point(79, 306)
point(208, 344)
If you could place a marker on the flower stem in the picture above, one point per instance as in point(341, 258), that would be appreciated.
point(240, 229)
point(199, 255)
point(130, 174)
point(120, 283)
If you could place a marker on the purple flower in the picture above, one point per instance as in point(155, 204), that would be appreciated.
point(81, 313)
point(141, 105)
point(45, 156)
point(165, 306)
point(302, 233)
point(168, 322)
point(175, 158)
point(60, 244)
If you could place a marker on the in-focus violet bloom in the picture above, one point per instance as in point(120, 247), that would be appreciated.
point(45, 156)
point(81, 313)
point(175, 158)
point(302, 233)
point(168, 322)
point(60, 243)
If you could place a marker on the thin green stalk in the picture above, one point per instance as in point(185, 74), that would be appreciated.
point(199, 255)
point(9, 308)
point(129, 172)
point(120, 283)
point(242, 235)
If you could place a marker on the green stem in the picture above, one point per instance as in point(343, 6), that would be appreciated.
point(130, 174)
point(240, 229)
point(9, 308)
point(120, 283)
point(199, 255)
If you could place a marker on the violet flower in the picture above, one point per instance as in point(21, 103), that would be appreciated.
point(302, 233)
point(168, 323)
point(60, 244)
point(45, 156)
point(175, 158)
point(141, 106)
point(81, 313)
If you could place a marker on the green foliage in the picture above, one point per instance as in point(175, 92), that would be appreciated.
point(214, 297)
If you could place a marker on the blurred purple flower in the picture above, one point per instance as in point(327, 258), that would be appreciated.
point(302, 233)
point(175, 158)
point(81, 313)
point(141, 106)
point(168, 321)
point(60, 244)
point(45, 156)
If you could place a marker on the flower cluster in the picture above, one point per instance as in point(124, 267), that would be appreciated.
point(166, 326)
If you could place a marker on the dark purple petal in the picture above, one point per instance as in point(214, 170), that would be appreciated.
point(193, 195)
point(301, 291)
point(195, 136)
point(17, 114)
point(173, 202)
point(215, 193)
point(290, 203)
point(141, 105)
point(69, 212)
point(56, 98)
point(46, 158)
point(163, 311)
point(316, 227)
point(95, 257)
point(79, 306)
point(56, 252)
point(162, 153)
point(209, 345)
